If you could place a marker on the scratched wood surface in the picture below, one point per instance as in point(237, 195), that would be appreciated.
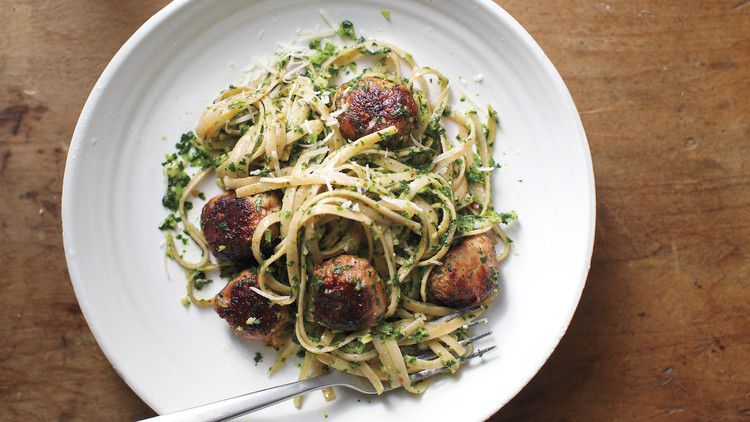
point(663, 329)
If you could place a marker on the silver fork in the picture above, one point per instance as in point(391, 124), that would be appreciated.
point(251, 402)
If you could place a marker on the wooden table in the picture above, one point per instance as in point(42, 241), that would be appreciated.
point(663, 329)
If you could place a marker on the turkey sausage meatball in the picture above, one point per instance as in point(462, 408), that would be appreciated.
point(468, 276)
point(347, 294)
point(251, 315)
point(229, 222)
point(373, 104)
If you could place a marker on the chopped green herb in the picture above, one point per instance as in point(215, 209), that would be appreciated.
point(449, 362)
point(199, 280)
point(384, 50)
point(419, 335)
point(323, 54)
point(473, 174)
point(346, 30)
point(387, 330)
point(169, 223)
point(468, 223)
point(386, 14)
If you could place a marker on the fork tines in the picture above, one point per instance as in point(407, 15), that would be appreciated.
point(474, 322)
point(472, 339)
point(459, 314)
point(468, 340)
point(418, 376)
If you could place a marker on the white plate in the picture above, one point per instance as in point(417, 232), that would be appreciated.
point(175, 64)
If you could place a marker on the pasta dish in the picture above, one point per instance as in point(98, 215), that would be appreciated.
point(356, 210)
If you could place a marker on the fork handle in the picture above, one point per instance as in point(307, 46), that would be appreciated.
point(246, 403)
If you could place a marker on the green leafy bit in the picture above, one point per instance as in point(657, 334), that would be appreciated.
point(346, 30)
point(434, 129)
point(258, 358)
point(194, 156)
point(388, 330)
point(469, 223)
point(177, 179)
point(356, 347)
point(507, 217)
point(188, 155)
point(473, 174)
point(419, 335)
point(384, 50)
point(386, 14)
point(323, 54)
point(410, 360)
point(169, 223)
point(199, 280)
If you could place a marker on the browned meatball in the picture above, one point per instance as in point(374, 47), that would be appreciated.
point(347, 294)
point(374, 104)
point(468, 276)
point(229, 222)
point(252, 316)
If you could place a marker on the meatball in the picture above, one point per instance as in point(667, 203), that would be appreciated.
point(252, 316)
point(229, 222)
point(373, 104)
point(347, 294)
point(468, 276)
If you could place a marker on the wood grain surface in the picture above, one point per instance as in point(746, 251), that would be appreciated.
point(663, 328)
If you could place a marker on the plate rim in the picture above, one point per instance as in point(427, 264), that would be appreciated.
point(70, 177)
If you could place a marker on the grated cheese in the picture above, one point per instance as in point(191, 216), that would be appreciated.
point(340, 111)
point(326, 18)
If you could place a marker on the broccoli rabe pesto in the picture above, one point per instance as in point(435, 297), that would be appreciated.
point(468, 223)
point(346, 30)
point(188, 154)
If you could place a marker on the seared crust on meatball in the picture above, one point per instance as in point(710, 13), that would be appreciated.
point(347, 294)
point(252, 316)
point(229, 222)
point(468, 276)
point(374, 104)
